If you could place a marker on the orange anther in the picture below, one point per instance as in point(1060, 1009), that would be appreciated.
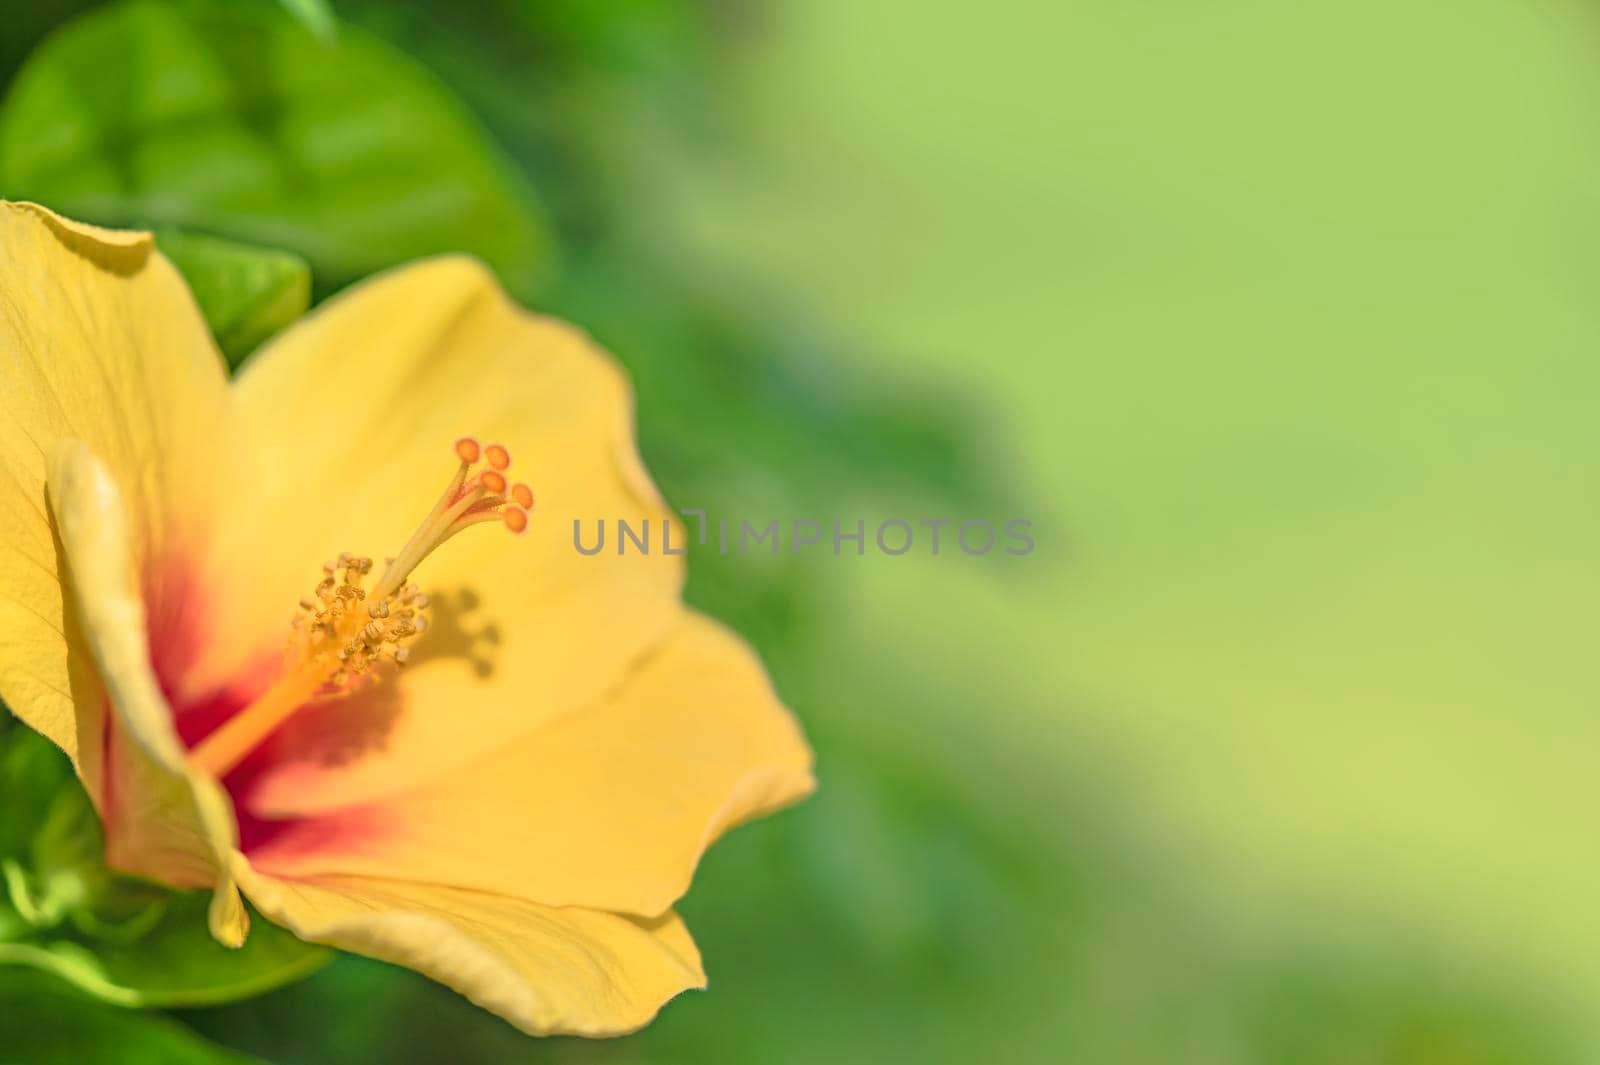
point(467, 450)
point(516, 520)
point(523, 495)
point(493, 481)
point(497, 456)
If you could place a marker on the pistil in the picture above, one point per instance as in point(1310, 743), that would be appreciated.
point(343, 631)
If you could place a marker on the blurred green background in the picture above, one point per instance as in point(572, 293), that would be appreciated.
point(1276, 319)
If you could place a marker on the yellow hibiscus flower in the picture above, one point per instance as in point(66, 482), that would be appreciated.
point(515, 811)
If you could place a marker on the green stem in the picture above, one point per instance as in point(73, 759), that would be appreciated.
point(73, 971)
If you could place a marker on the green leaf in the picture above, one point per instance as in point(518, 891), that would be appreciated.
point(42, 1022)
point(235, 120)
point(114, 938)
point(246, 293)
point(176, 963)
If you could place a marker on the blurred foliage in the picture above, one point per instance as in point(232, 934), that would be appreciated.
point(1305, 1017)
point(111, 937)
point(314, 15)
point(235, 120)
point(27, 25)
point(44, 1025)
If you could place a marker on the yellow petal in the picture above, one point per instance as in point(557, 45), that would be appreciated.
point(354, 413)
point(99, 341)
point(161, 820)
point(546, 970)
point(610, 808)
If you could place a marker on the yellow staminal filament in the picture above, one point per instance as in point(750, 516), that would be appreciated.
point(343, 632)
